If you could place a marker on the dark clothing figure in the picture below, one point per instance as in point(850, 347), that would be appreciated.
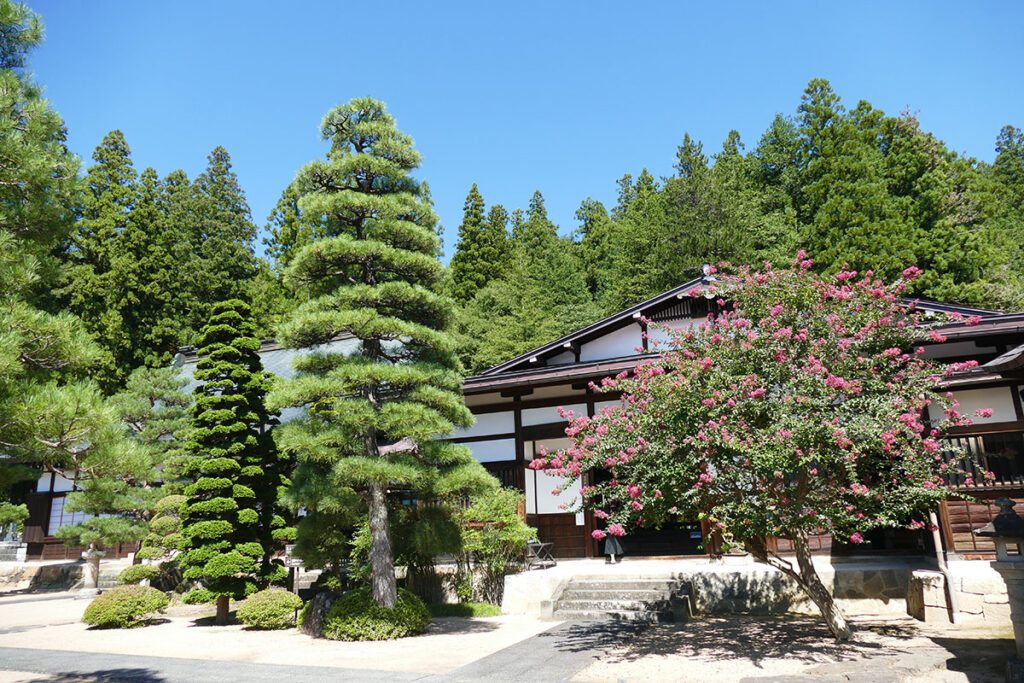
point(612, 548)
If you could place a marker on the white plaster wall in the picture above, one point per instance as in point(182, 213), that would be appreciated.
point(488, 423)
point(539, 416)
point(656, 332)
point(621, 342)
point(998, 399)
point(493, 451)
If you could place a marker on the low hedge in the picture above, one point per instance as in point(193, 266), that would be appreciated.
point(124, 607)
point(198, 596)
point(465, 609)
point(138, 573)
point(269, 609)
point(357, 616)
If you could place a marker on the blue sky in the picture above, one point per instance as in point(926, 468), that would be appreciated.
point(562, 97)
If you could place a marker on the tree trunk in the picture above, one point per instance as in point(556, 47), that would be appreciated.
point(815, 589)
point(382, 564)
point(807, 578)
point(223, 602)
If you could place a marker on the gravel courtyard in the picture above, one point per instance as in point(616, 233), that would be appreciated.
point(42, 639)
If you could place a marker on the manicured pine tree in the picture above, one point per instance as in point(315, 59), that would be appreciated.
point(372, 415)
point(231, 515)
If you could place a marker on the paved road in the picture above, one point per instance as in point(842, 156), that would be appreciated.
point(553, 655)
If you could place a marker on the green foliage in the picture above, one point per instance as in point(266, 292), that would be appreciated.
point(229, 513)
point(137, 573)
point(465, 609)
point(124, 607)
point(356, 616)
point(373, 414)
point(269, 609)
point(198, 596)
point(481, 253)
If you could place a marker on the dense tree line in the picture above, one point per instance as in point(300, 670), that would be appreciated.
point(854, 187)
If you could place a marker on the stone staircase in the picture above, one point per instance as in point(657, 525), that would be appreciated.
point(623, 598)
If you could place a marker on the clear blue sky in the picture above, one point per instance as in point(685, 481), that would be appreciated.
point(563, 97)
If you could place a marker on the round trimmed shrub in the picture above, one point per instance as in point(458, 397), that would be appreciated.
point(356, 616)
point(124, 607)
point(269, 609)
point(138, 573)
point(198, 596)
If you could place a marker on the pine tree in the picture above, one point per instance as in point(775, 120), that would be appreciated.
point(222, 234)
point(497, 239)
point(472, 265)
point(372, 416)
point(43, 422)
point(231, 515)
point(95, 290)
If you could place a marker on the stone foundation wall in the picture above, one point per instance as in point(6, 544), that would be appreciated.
point(39, 577)
point(980, 594)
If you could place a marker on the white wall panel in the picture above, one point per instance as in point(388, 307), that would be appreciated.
point(539, 416)
point(621, 342)
point(998, 399)
point(493, 451)
point(489, 423)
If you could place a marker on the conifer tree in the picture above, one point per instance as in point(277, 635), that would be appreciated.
point(472, 265)
point(372, 416)
point(43, 423)
point(222, 233)
point(231, 517)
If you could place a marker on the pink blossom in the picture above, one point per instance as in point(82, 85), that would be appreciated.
point(983, 412)
point(936, 337)
point(637, 506)
point(634, 490)
point(616, 530)
point(856, 537)
point(911, 273)
point(597, 534)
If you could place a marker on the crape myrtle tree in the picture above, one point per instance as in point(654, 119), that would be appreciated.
point(230, 520)
point(372, 414)
point(797, 410)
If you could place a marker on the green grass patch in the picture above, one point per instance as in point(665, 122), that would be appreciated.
point(465, 609)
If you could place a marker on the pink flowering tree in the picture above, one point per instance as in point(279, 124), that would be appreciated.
point(803, 407)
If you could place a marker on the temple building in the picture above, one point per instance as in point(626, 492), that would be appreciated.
point(516, 404)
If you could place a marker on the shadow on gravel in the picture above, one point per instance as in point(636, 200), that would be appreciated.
point(460, 625)
point(754, 639)
point(980, 660)
point(110, 675)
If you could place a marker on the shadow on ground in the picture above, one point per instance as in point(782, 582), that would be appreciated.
point(754, 639)
point(441, 625)
point(110, 675)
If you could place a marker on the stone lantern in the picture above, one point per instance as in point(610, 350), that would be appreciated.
point(1007, 532)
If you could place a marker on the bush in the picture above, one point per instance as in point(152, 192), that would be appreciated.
point(356, 616)
point(198, 596)
point(124, 607)
point(138, 573)
point(269, 609)
point(465, 609)
point(149, 552)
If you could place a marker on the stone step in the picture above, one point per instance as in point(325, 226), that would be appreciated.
point(611, 605)
point(609, 615)
point(623, 584)
point(573, 593)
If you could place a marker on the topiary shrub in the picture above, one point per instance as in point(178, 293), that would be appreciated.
point(269, 609)
point(138, 573)
point(356, 616)
point(124, 607)
point(198, 596)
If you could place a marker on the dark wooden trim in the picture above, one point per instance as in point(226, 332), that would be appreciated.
point(990, 428)
point(548, 430)
point(516, 393)
point(1017, 408)
point(538, 403)
point(517, 421)
point(643, 336)
point(485, 437)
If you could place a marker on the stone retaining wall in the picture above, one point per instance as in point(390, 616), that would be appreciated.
point(18, 576)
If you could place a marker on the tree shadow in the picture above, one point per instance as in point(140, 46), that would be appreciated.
point(754, 639)
point(134, 675)
point(446, 625)
point(140, 623)
point(981, 660)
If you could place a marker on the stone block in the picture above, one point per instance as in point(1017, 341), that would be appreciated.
point(997, 613)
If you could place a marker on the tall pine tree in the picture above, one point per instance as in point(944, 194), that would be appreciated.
point(472, 265)
point(373, 416)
